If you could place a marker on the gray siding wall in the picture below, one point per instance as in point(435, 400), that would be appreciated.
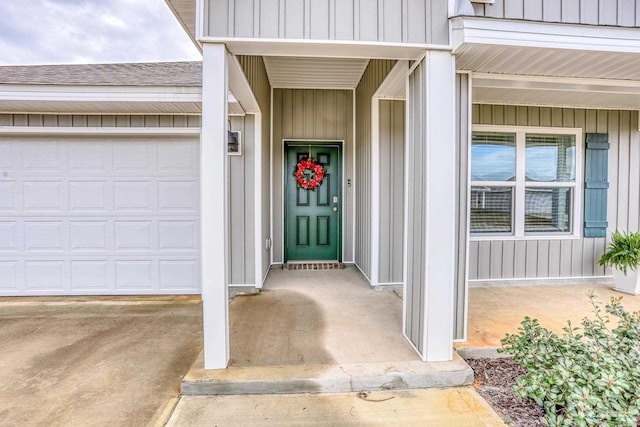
point(312, 114)
point(408, 21)
point(462, 231)
point(391, 224)
point(256, 73)
point(624, 13)
point(374, 75)
point(417, 157)
point(241, 171)
point(83, 120)
point(515, 259)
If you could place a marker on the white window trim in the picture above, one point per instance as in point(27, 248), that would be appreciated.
point(518, 220)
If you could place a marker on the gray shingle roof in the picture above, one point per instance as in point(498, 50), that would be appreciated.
point(183, 74)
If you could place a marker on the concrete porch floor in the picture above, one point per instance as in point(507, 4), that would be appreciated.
point(320, 331)
point(495, 311)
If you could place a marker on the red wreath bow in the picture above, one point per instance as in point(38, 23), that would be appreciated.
point(309, 174)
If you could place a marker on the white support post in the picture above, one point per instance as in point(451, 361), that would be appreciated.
point(440, 218)
point(214, 205)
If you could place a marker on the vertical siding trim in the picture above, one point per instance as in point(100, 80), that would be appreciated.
point(463, 133)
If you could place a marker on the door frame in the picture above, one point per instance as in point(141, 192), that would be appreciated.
point(338, 143)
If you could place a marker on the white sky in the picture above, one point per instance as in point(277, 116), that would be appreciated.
point(91, 31)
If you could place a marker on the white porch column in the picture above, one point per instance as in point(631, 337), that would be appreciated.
point(214, 206)
point(431, 224)
point(440, 245)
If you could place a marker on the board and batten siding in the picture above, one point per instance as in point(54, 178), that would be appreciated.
point(316, 115)
point(241, 170)
point(416, 208)
point(389, 21)
point(373, 76)
point(624, 13)
point(566, 258)
point(256, 73)
point(97, 120)
point(391, 219)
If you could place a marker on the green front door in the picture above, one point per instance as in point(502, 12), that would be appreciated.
point(312, 217)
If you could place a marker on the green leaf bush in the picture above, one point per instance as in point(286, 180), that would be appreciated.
point(623, 252)
point(588, 375)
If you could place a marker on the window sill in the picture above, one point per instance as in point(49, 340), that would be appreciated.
point(496, 237)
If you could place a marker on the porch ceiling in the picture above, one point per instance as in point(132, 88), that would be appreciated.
point(554, 92)
point(545, 49)
point(314, 73)
point(549, 62)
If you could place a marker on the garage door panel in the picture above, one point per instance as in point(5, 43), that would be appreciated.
point(91, 216)
point(42, 158)
point(42, 196)
point(8, 196)
point(177, 235)
point(134, 196)
point(44, 236)
point(90, 236)
point(177, 159)
point(44, 276)
point(89, 157)
point(9, 276)
point(89, 196)
point(134, 235)
point(90, 275)
point(9, 156)
point(178, 275)
point(9, 236)
point(133, 158)
point(135, 275)
point(180, 196)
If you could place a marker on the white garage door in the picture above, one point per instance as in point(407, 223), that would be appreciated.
point(93, 216)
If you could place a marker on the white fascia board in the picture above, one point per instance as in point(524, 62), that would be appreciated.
point(12, 92)
point(324, 48)
point(504, 32)
point(96, 131)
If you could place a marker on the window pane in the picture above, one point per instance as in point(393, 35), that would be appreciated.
point(550, 158)
point(548, 210)
point(491, 209)
point(493, 156)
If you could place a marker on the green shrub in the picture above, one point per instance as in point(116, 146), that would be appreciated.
point(623, 252)
point(588, 375)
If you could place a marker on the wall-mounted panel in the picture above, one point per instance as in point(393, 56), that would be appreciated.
point(387, 21)
point(520, 259)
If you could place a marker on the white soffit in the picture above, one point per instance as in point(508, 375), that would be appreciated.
point(316, 73)
point(394, 85)
point(546, 49)
point(554, 92)
point(185, 11)
point(99, 99)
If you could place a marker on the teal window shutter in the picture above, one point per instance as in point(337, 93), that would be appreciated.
point(596, 184)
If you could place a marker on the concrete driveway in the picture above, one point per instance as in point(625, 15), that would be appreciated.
point(89, 362)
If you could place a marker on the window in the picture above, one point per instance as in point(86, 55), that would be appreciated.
point(523, 181)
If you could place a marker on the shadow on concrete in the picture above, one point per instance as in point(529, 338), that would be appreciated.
point(277, 328)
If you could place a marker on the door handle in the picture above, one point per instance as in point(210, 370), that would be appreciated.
point(335, 209)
